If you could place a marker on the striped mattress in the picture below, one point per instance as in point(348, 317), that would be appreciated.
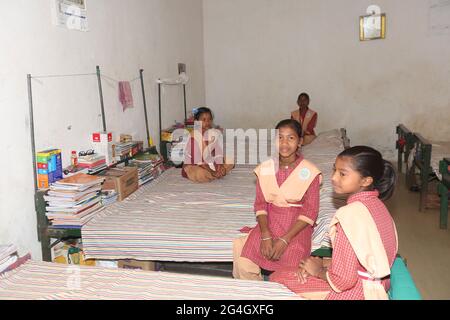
point(173, 219)
point(50, 281)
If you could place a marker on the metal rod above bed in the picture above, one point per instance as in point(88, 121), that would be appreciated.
point(160, 86)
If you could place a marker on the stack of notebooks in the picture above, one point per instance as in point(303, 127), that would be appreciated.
point(150, 166)
point(126, 150)
point(73, 201)
point(94, 163)
point(8, 256)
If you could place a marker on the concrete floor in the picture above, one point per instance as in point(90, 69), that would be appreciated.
point(422, 243)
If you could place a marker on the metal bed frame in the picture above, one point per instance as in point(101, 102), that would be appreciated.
point(407, 141)
point(444, 191)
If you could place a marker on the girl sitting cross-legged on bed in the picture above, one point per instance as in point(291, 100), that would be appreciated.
point(204, 160)
point(306, 117)
point(286, 206)
point(363, 235)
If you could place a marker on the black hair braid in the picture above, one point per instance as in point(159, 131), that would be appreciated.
point(370, 163)
point(386, 185)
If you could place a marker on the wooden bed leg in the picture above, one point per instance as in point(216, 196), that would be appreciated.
point(443, 192)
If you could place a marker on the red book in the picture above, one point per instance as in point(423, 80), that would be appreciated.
point(42, 166)
point(91, 165)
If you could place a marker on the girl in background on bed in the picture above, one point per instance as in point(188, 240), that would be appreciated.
point(363, 235)
point(286, 207)
point(196, 168)
point(306, 117)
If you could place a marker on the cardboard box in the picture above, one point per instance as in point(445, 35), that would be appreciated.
point(102, 137)
point(102, 143)
point(124, 180)
point(137, 265)
point(125, 138)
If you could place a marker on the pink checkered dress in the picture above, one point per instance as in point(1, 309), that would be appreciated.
point(343, 272)
point(280, 220)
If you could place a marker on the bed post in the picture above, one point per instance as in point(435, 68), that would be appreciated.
point(400, 148)
point(43, 226)
point(443, 190)
point(424, 165)
point(403, 145)
point(185, 102)
point(409, 146)
point(39, 203)
point(100, 92)
point(141, 74)
point(160, 118)
point(345, 139)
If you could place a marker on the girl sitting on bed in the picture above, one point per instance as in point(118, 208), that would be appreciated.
point(306, 117)
point(363, 235)
point(204, 160)
point(286, 206)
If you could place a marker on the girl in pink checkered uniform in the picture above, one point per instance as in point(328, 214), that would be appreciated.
point(363, 235)
point(286, 207)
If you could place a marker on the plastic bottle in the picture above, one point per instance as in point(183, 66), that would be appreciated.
point(74, 159)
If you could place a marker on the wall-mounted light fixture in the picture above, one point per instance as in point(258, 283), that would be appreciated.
point(373, 25)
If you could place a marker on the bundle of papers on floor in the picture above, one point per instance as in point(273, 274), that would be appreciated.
point(109, 197)
point(8, 256)
point(73, 201)
point(150, 166)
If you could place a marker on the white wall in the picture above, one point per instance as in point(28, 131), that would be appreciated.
point(124, 36)
point(260, 54)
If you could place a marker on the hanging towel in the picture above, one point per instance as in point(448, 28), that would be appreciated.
point(125, 95)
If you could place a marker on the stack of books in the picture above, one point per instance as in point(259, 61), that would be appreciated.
point(73, 201)
point(49, 167)
point(125, 150)
point(94, 163)
point(150, 166)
